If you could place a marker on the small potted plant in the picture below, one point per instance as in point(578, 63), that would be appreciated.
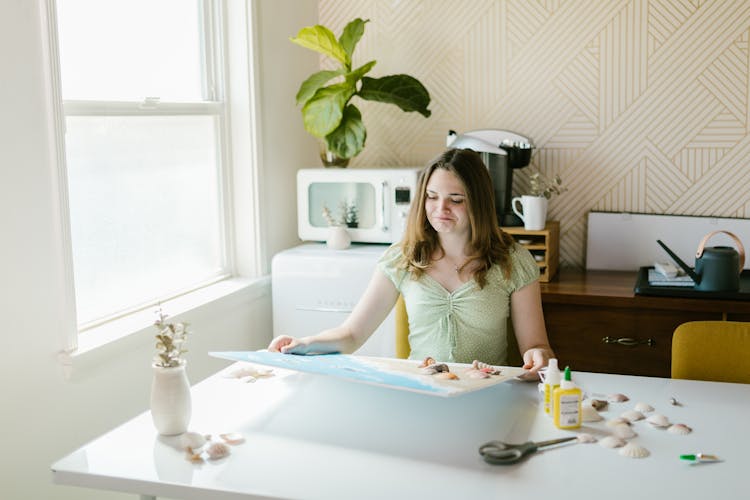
point(171, 405)
point(339, 238)
point(534, 205)
point(326, 96)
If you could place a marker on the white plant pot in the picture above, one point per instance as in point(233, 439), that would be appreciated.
point(338, 238)
point(171, 405)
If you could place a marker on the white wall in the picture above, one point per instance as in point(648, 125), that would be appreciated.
point(42, 415)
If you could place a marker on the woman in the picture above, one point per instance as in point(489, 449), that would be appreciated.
point(460, 276)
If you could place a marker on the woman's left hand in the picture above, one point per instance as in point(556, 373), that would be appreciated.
point(534, 360)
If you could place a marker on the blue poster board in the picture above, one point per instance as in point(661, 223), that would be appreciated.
point(392, 373)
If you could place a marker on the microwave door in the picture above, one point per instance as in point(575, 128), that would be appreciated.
point(385, 216)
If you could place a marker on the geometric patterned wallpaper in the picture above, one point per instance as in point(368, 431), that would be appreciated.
point(639, 105)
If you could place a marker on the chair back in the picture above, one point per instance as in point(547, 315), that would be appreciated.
point(712, 350)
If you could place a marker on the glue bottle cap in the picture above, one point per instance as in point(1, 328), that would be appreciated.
point(567, 382)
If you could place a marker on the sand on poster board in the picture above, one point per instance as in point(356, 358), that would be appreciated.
point(400, 374)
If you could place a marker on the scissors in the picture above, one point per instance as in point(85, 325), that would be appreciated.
point(499, 453)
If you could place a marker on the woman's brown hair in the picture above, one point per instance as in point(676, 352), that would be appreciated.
point(489, 244)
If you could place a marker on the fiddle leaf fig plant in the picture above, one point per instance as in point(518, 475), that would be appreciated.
point(325, 96)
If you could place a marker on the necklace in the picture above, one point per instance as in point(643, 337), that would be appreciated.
point(460, 268)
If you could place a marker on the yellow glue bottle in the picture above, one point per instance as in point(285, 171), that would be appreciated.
point(551, 382)
point(567, 404)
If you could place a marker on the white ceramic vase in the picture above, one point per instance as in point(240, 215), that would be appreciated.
point(338, 238)
point(171, 405)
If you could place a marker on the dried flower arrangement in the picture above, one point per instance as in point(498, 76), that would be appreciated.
point(541, 186)
point(348, 215)
point(169, 341)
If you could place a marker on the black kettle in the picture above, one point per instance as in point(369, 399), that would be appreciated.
point(717, 269)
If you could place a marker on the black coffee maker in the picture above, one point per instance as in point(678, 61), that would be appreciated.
point(502, 151)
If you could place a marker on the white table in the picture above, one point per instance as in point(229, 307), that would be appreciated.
point(311, 436)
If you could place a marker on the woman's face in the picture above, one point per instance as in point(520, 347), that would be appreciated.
point(445, 203)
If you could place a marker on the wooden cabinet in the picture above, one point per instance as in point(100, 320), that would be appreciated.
point(596, 323)
point(544, 245)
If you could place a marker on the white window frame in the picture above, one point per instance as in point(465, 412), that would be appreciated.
point(240, 179)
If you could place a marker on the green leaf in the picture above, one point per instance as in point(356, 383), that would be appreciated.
point(350, 37)
point(348, 140)
point(320, 39)
point(323, 112)
point(404, 91)
point(354, 76)
point(313, 83)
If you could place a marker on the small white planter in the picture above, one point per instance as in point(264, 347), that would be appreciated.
point(171, 404)
point(338, 238)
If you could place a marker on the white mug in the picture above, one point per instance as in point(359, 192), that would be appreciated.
point(534, 211)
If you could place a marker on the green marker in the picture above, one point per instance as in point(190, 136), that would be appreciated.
point(700, 458)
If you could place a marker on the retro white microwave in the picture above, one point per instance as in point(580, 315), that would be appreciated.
point(373, 203)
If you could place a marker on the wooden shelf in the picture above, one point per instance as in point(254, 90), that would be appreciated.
point(544, 243)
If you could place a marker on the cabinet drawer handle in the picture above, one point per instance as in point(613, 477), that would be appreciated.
point(627, 341)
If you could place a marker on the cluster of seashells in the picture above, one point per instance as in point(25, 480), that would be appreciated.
point(477, 370)
point(201, 447)
point(622, 427)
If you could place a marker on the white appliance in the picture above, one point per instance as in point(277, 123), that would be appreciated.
point(372, 202)
point(314, 288)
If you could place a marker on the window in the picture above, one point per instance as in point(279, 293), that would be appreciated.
point(145, 150)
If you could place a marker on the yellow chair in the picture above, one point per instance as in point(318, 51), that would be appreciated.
point(712, 350)
point(402, 336)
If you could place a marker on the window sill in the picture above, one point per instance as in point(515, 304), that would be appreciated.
point(131, 331)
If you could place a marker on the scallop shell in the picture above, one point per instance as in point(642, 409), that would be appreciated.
point(585, 438)
point(632, 415)
point(679, 429)
point(623, 431)
point(617, 398)
point(632, 450)
point(589, 414)
point(216, 451)
point(617, 421)
point(644, 407)
point(658, 420)
point(612, 442)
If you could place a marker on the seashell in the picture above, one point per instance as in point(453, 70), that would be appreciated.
point(472, 373)
point(427, 362)
point(486, 368)
point(617, 421)
point(658, 420)
point(191, 456)
point(598, 404)
point(644, 407)
point(440, 367)
point(612, 442)
point(679, 429)
point(589, 414)
point(216, 451)
point(585, 438)
point(632, 450)
point(192, 441)
point(446, 376)
point(632, 415)
point(617, 398)
point(250, 372)
point(428, 370)
point(233, 438)
point(623, 431)
point(674, 402)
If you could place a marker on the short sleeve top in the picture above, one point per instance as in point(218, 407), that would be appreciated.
point(466, 324)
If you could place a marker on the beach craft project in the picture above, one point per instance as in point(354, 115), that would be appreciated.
point(430, 377)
